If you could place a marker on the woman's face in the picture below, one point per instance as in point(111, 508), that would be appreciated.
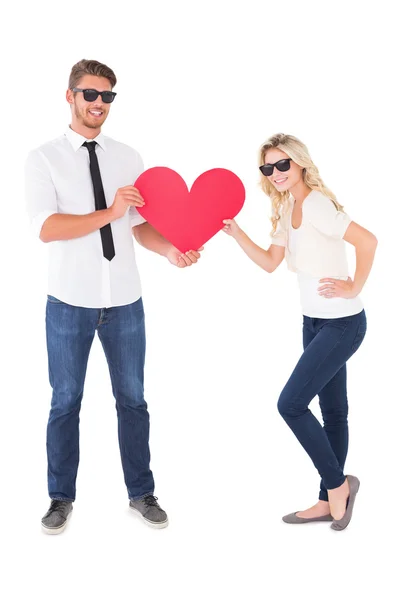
point(283, 180)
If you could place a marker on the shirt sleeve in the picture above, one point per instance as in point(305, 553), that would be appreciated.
point(324, 216)
point(135, 217)
point(40, 193)
point(279, 237)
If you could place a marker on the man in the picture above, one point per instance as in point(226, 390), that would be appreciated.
point(81, 198)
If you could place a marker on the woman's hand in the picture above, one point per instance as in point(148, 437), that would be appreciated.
point(337, 288)
point(231, 228)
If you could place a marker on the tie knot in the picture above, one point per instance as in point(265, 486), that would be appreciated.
point(91, 146)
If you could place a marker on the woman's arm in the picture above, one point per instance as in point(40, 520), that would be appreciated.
point(365, 244)
point(269, 260)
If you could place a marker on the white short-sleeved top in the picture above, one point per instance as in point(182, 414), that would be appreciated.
point(58, 180)
point(320, 248)
point(317, 250)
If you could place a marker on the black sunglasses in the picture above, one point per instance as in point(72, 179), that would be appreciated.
point(92, 95)
point(282, 165)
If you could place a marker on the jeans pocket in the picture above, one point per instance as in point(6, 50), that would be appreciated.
point(361, 331)
point(53, 300)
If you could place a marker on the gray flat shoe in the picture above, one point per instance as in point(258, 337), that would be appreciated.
point(354, 485)
point(293, 519)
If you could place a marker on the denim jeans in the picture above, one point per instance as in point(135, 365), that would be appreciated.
point(70, 331)
point(321, 370)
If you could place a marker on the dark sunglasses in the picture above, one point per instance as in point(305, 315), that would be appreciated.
point(92, 95)
point(282, 165)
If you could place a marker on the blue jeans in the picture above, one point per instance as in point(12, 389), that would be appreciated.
point(321, 370)
point(70, 331)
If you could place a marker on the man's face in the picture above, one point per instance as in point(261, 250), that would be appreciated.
point(90, 114)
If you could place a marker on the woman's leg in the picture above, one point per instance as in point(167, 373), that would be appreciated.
point(321, 508)
point(334, 409)
point(334, 342)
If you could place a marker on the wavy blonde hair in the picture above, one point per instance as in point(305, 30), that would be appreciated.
point(299, 153)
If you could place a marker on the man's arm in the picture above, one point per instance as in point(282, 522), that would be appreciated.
point(67, 227)
point(151, 239)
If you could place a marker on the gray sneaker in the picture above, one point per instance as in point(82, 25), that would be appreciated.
point(150, 511)
point(55, 520)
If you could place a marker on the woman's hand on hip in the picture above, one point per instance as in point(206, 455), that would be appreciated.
point(337, 288)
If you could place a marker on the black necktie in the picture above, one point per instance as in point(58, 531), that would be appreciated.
point(100, 200)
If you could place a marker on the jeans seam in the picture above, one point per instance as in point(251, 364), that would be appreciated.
point(360, 330)
point(298, 396)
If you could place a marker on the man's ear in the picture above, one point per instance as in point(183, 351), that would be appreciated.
point(70, 96)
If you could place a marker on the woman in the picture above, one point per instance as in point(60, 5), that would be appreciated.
point(309, 230)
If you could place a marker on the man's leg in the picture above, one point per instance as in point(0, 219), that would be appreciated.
point(122, 334)
point(70, 331)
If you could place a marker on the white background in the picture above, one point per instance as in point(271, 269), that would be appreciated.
point(202, 85)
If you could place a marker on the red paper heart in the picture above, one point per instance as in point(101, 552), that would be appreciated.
point(189, 219)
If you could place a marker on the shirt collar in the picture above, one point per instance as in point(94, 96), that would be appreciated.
point(76, 139)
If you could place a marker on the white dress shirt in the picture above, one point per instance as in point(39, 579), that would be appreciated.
point(58, 180)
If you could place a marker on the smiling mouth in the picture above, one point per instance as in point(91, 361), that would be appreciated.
point(282, 180)
point(96, 113)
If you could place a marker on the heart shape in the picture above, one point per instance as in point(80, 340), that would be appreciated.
point(189, 219)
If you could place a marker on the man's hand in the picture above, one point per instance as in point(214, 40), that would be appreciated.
point(124, 198)
point(180, 260)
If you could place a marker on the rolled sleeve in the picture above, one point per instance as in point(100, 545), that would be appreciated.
point(38, 221)
point(324, 216)
point(40, 193)
point(135, 217)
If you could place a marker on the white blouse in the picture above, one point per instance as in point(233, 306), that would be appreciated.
point(316, 250)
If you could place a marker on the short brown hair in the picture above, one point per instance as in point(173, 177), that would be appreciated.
point(90, 67)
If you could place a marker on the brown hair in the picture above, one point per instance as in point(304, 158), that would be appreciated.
point(90, 67)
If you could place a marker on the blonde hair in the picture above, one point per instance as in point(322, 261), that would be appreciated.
point(299, 153)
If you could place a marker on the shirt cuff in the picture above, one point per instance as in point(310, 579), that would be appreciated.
point(38, 221)
point(278, 240)
point(137, 220)
point(342, 222)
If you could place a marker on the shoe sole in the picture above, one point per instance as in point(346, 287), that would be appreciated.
point(293, 519)
point(55, 530)
point(161, 525)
